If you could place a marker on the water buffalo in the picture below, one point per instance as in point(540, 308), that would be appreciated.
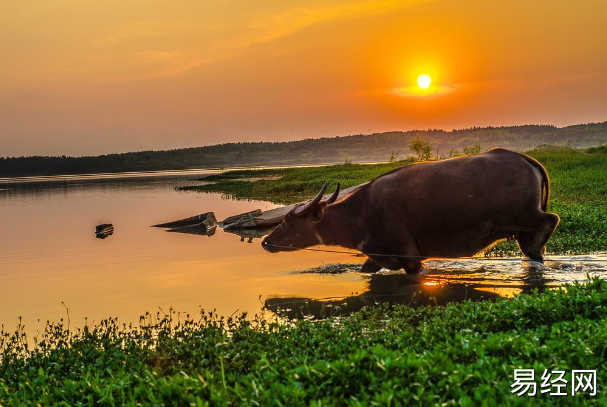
point(450, 208)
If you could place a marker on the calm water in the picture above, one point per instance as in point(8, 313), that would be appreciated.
point(49, 255)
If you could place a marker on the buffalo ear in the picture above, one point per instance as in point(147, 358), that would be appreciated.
point(318, 212)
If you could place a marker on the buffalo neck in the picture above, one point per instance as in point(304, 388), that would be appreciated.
point(342, 223)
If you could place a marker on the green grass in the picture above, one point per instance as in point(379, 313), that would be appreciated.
point(462, 353)
point(579, 192)
point(294, 184)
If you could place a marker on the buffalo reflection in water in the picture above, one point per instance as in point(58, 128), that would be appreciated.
point(413, 291)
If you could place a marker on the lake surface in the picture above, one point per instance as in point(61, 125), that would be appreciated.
point(49, 256)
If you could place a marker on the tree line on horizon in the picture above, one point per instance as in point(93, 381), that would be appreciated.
point(376, 147)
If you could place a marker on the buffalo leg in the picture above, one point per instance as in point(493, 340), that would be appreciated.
point(532, 243)
point(524, 240)
point(389, 263)
point(411, 266)
point(411, 261)
point(370, 266)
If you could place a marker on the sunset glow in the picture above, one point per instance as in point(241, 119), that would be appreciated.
point(120, 76)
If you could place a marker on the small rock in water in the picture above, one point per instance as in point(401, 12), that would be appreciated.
point(104, 230)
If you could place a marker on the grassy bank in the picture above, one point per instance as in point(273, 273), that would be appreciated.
point(462, 353)
point(579, 192)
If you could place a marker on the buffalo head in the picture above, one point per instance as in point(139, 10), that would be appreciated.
point(298, 230)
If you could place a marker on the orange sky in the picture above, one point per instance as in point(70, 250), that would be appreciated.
point(87, 77)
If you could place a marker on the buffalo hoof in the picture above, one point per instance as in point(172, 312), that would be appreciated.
point(413, 267)
point(370, 266)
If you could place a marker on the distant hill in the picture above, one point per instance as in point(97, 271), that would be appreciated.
point(356, 148)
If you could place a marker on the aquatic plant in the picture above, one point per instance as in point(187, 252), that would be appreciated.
point(463, 353)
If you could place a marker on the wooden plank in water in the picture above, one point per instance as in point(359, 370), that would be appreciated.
point(197, 229)
point(207, 219)
point(241, 219)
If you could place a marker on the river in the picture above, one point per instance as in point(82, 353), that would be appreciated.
point(50, 259)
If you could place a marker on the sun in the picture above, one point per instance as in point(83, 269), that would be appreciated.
point(424, 81)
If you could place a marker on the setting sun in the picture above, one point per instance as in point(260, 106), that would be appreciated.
point(424, 81)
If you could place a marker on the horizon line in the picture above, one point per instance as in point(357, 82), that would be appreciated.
point(313, 138)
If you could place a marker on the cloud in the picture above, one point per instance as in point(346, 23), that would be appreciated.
point(417, 92)
point(276, 26)
point(175, 69)
point(135, 31)
point(158, 54)
point(220, 42)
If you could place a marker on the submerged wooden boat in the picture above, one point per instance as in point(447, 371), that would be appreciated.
point(208, 219)
point(249, 225)
point(198, 229)
point(203, 224)
point(250, 234)
point(272, 217)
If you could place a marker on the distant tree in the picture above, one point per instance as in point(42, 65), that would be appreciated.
point(422, 148)
point(394, 156)
point(454, 153)
point(472, 150)
point(310, 151)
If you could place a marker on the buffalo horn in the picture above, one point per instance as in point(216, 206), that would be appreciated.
point(303, 209)
point(333, 197)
